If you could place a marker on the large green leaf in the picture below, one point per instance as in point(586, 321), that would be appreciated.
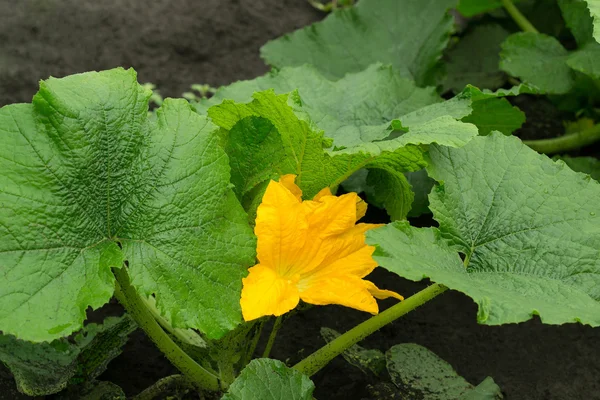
point(420, 374)
point(474, 60)
point(44, 368)
point(271, 136)
point(586, 60)
point(528, 228)
point(408, 34)
point(356, 109)
point(83, 172)
point(539, 60)
point(267, 379)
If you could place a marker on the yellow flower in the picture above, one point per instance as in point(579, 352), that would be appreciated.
point(310, 250)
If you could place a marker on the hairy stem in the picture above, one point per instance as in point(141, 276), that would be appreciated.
point(567, 142)
point(164, 387)
point(518, 17)
point(127, 295)
point(317, 360)
point(272, 337)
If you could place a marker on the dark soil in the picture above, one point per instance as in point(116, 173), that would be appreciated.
point(176, 43)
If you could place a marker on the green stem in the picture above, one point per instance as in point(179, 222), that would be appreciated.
point(252, 345)
point(164, 387)
point(518, 17)
point(127, 295)
point(272, 336)
point(567, 142)
point(317, 360)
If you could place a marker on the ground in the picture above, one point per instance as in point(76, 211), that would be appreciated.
point(179, 42)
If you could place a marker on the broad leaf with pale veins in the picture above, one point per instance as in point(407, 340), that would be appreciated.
point(408, 34)
point(539, 61)
point(527, 227)
point(268, 379)
point(271, 136)
point(83, 172)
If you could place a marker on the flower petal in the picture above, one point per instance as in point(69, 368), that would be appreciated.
point(380, 293)
point(267, 293)
point(347, 291)
point(322, 193)
point(332, 215)
point(289, 182)
point(361, 208)
point(281, 228)
point(358, 263)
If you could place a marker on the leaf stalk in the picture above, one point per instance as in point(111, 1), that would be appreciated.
point(518, 17)
point(272, 336)
point(567, 142)
point(128, 296)
point(317, 360)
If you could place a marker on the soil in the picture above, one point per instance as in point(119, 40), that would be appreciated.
point(176, 43)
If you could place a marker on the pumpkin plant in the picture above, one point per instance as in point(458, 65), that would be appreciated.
point(207, 218)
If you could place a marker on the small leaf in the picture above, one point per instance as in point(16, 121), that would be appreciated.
point(420, 374)
point(367, 360)
point(539, 60)
point(93, 390)
point(594, 8)
point(474, 60)
point(497, 204)
point(45, 368)
point(578, 20)
point(586, 60)
point(587, 165)
point(495, 115)
point(268, 379)
point(408, 34)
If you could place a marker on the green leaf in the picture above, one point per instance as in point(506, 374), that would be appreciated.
point(268, 379)
point(421, 185)
point(474, 60)
point(587, 165)
point(44, 368)
point(367, 360)
point(586, 60)
point(408, 34)
point(539, 60)
point(93, 390)
point(356, 109)
point(266, 138)
point(594, 8)
point(578, 19)
point(420, 374)
point(84, 170)
point(495, 115)
point(469, 8)
point(527, 226)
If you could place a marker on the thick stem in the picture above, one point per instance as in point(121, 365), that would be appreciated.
point(518, 17)
point(127, 295)
point(317, 360)
point(272, 336)
point(164, 387)
point(567, 142)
